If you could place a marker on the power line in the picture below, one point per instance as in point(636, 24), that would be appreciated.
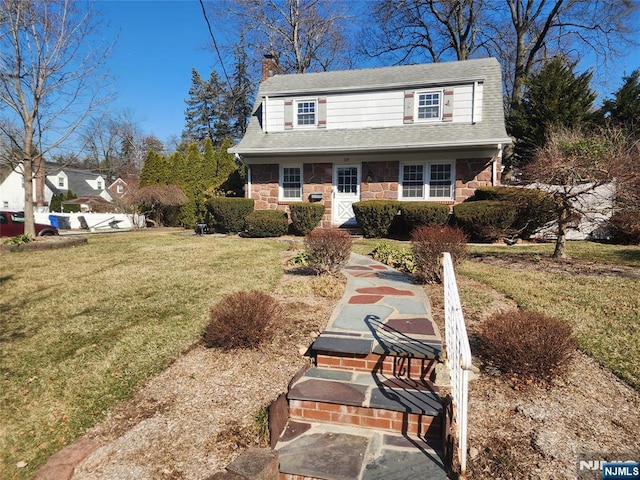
point(215, 44)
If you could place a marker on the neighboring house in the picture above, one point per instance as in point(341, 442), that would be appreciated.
point(123, 186)
point(413, 133)
point(12, 190)
point(82, 183)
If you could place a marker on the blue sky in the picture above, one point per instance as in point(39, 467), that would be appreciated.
point(161, 41)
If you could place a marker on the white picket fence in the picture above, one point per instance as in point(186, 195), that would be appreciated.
point(458, 358)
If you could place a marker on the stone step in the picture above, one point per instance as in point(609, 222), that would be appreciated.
point(373, 363)
point(365, 400)
point(311, 451)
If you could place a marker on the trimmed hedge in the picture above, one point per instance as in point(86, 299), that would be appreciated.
point(376, 216)
point(534, 208)
point(228, 212)
point(305, 217)
point(266, 223)
point(485, 220)
point(423, 214)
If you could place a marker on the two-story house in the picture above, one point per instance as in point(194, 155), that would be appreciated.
point(431, 132)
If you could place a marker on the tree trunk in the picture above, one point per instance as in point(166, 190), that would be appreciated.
point(561, 240)
point(29, 222)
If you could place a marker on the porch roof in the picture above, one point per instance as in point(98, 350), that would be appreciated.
point(406, 137)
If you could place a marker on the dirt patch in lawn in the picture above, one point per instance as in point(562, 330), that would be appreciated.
point(195, 417)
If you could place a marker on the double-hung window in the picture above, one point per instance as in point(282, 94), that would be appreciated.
point(291, 183)
point(427, 181)
point(429, 105)
point(306, 112)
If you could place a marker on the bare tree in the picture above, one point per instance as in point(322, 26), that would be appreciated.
point(520, 33)
point(573, 165)
point(49, 80)
point(303, 35)
point(411, 29)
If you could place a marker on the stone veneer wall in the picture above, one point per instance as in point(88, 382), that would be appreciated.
point(383, 184)
point(384, 181)
point(471, 174)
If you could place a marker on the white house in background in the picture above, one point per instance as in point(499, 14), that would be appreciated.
point(12, 190)
point(431, 133)
point(58, 180)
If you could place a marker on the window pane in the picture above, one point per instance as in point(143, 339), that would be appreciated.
point(307, 113)
point(291, 182)
point(347, 180)
point(429, 105)
point(413, 181)
point(440, 181)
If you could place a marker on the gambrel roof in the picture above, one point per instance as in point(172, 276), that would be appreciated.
point(488, 132)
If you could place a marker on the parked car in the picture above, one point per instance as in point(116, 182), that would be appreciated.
point(12, 224)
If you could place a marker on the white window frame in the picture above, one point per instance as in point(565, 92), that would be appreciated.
point(99, 184)
point(282, 187)
point(426, 181)
point(440, 93)
point(60, 181)
point(119, 188)
point(315, 113)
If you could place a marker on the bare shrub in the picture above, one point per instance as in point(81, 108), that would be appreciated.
point(327, 250)
point(527, 345)
point(428, 244)
point(242, 320)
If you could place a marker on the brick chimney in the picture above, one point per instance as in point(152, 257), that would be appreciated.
point(269, 67)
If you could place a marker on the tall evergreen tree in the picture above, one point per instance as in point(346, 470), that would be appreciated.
point(554, 97)
point(206, 114)
point(155, 171)
point(624, 109)
point(238, 99)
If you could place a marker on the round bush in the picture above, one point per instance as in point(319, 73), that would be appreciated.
point(305, 217)
point(375, 216)
point(527, 344)
point(429, 243)
point(421, 214)
point(242, 320)
point(229, 212)
point(327, 250)
point(266, 223)
point(485, 220)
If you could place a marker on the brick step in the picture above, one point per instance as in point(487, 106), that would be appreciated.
point(376, 364)
point(310, 451)
point(365, 400)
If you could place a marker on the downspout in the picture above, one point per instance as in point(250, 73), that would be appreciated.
point(494, 166)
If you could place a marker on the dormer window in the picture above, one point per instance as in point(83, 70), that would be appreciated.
point(61, 181)
point(99, 184)
point(429, 105)
point(306, 112)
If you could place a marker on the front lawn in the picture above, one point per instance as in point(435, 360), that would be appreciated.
point(83, 327)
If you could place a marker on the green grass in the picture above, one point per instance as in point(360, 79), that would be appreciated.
point(603, 311)
point(83, 327)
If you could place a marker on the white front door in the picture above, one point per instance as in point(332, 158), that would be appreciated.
point(346, 191)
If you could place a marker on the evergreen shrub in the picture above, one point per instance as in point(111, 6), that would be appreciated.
point(228, 212)
point(376, 216)
point(527, 345)
point(397, 258)
point(534, 208)
point(420, 214)
point(485, 220)
point(266, 223)
point(305, 217)
point(242, 320)
point(429, 243)
point(327, 250)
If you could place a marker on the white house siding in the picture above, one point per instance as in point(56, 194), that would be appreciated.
point(376, 109)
